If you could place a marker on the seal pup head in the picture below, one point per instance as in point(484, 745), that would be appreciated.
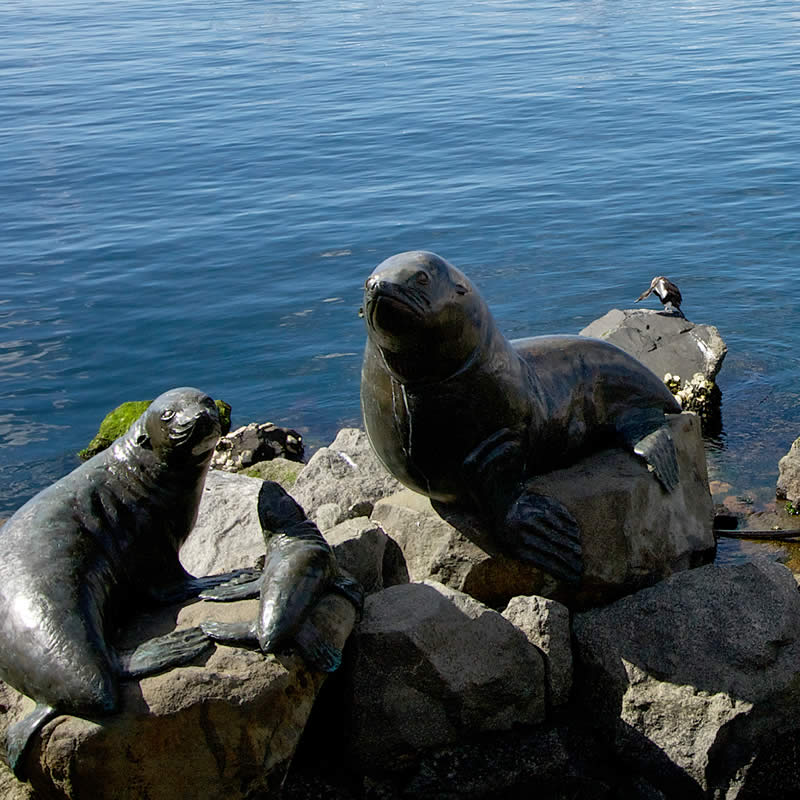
point(180, 423)
point(424, 316)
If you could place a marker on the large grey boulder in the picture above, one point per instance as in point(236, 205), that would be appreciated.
point(788, 486)
point(223, 728)
point(227, 534)
point(346, 478)
point(666, 343)
point(634, 533)
point(364, 551)
point(697, 680)
point(430, 666)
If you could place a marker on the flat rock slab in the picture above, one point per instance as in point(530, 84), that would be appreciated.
point(697, 680)
point(663, 342)
point(221, 729)
point(634, 533)
point(227, 534)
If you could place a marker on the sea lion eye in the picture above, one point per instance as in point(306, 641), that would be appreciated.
point(167, 415)
point(461, 289)
point(423, 279)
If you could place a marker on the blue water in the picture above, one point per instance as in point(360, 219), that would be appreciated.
point(194, 192)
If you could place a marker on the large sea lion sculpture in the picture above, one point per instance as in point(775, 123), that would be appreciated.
point(85, 552)
point(457, 412)
point(299, 568)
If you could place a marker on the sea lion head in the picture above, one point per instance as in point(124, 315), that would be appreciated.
point(424, 316)
point(181, 423)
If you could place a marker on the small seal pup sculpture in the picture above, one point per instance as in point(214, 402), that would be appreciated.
point(85, 551)
point(299, 568)
point(667, 292)
point(457, 412)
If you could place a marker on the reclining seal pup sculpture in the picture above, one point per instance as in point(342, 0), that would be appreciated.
point(458, 413)
point(83, 553)
point(299, 568)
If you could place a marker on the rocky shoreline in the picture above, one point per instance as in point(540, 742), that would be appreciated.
point(468, 675)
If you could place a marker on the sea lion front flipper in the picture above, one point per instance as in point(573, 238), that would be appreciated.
point(231, 632)
point(541, 531)
point(242, 588)
point(316, 651)
point(18, 737)
point(164, 652)
point(645, 432)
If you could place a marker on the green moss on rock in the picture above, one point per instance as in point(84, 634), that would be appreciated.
point(113, 426)
point(224, 410)
point(123, 416)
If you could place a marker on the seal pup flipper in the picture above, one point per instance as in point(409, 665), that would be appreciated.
point(541, 531)
point(316, 651)
point(192, 587)
point(242, 588)
point(644, 430)
point(19, 735)
point(231, 632)
point(351, 589)
point(164, 652)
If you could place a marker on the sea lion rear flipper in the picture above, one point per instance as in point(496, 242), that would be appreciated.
point(231, 632)
point(351, 589)
point(164, 652)
point(541, 531)
point(18, 737)
point(646, 433)
point(319, 654)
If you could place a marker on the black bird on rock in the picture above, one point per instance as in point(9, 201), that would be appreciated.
point(667, 292)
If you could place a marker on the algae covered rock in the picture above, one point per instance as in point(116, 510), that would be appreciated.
point(114, 425)
point(120, 419)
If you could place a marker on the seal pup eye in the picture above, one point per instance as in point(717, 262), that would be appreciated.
point(167, 415)
point(460, 289)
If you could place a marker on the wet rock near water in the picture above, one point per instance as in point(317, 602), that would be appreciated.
point(662, 341)
point(254, 443)
point(788, 486)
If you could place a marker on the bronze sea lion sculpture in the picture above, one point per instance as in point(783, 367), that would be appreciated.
point(457, 412)
point(87, 550)
point(299, 568)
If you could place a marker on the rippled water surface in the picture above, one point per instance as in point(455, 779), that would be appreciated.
point(194, 193)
